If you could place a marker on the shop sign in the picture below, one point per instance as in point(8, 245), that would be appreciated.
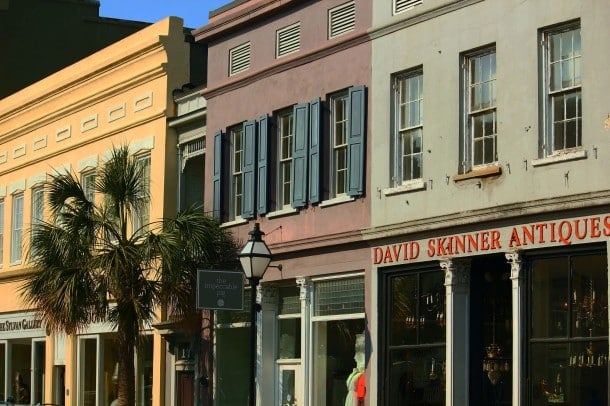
point(525, 236)
point(220, 290)
point(24, 324)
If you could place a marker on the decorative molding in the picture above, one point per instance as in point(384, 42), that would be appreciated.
point(142, 145)
point(304, 284)
point(3, 191)
point(63, 133)
point(63, 170)
point(87, 163)
point(3, 157)
point(88, 123)
point(37, 179)
point(270, 295)
point(19, 151)
point(17, 186)
point(143, 102)
point(40, 142)
point(457, 272)
point(514, 259)
point(116, 112)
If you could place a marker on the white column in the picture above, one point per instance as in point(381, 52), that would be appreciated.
point(267, 344)
point(457, 288)
point(514, 259)
point(305, 286)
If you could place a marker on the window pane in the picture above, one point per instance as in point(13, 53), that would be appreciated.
point(550, 298)
point(432, 308)
point(231, 353)
point(589, 298)
point(416, 377)
point(403, 311)
point(339, 296)
point(289, 342)
point(556, 76)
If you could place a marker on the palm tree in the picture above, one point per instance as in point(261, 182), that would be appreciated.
point(91, 264)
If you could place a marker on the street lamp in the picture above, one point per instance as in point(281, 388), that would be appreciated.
point(254, 258)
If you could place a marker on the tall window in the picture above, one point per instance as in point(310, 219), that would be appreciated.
point(568, 343)
point(37, 207)
point(338, 129)
point(408, 133)
point(17, 228)
point(142, 214)
point(235, 196)
point(88, 182)
point(414, 333)
point(563, 112)
point(480, 140)
point(2, 232)
point(285, 128)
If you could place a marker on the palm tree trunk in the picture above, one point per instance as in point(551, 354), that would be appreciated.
point(126, 391)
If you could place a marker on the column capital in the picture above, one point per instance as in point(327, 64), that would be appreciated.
point(268, 296)
point(457, 272)
point(304, 284)
point(514, 259)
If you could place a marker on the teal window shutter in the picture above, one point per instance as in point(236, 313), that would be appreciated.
point(248, 169)
point(217, 177)
point(314, 150)
point(356, 115)
point(298, 176)
point(263, 152)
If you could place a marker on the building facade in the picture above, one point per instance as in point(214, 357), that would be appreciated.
point(489, 230)
point(287, 115)
point(69, 122)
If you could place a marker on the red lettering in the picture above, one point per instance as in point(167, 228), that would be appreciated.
point(431, 251)
point(495, 240)
point(514, 239)
point(565, 232)
point(413, 250)
point(485, 241)
point(472, 243)
point(396, 248)
point(553, 239)
point(377, 255)
point(541, 228)
point(581, 235)
point(607, 226)
point(388, 256)
point(460, 244)
point(450, 245)
point(440, 245)
point(595, 233)
point(528, 234)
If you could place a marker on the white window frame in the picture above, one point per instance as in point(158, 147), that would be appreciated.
point(236, 172)
point(239, 58)
point(341, 19)
point(17, 228)
point(1, 232)
point(285, 138)
point(87, 180)
point(399, 6)
point(408, 124)
point(475, 130)
point(553, 94)
point(338, 143)
point(37, 207)
point(288, 40)
point(141, 217)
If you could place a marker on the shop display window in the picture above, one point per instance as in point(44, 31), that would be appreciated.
point(338, 338)
point(414, 329)
point(568, 345)
point(145, 371)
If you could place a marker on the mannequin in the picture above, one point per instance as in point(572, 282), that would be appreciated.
point(356, 380)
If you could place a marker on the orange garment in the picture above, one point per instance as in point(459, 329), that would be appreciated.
point(361, 387)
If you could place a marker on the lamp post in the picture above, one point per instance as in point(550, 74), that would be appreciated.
point(254, 258)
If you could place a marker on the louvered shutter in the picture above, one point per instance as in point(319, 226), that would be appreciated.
point(288, 40)
point(314, 151)
point(341, 19)
point(217, 177)
point(248, 169)
point(403, 5)
point(263, 152)
point(298, 176)
point(356, 140)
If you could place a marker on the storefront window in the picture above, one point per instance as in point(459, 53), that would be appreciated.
point(88, 371)
point(569, 330)
point(338, 338)
point(415, 331)
point(145, 373)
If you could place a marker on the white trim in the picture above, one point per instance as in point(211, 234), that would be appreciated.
point(288, 40)
point(285, 211)
point(37, 180)
point(240, 58)
point(87, 163)
point(561, 156)
point(408, 186)
point(338, 276)
point(341, 19)
point(343, 198)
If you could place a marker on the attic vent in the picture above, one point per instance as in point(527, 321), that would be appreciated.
point(288, 40)
point(239, 59)
point(341, 19)
point(404, 5)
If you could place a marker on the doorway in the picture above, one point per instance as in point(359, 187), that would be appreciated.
point(186, 388)
point(490, 331)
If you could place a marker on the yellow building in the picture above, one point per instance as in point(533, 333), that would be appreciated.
point(69, 122)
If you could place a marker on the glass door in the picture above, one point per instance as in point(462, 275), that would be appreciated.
point(290, 384)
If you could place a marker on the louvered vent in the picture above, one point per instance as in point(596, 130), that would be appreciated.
point(403, 5)
point(341, 19)
point(288, 40)
point(239, 59)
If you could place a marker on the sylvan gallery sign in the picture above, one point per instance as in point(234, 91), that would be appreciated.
point(525, 236)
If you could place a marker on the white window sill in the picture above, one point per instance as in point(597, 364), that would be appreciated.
point(15, 263)
point(337, 200)
point(562, 156)
point(236, 222)
point(406, 187)
point(286, 211)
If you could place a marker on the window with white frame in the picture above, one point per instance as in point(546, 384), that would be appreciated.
point(236, 151)
point(1, 232)
point(562, 77)
point(288, 40)
point(338, 129)
point(16, 228)
point(404, 5)
point(341, 19)
point(285, 128)
point(142, 215)
point(480, 118)
point(88, 184)
point(408, 127)
point(239, 59)
point(37, 207)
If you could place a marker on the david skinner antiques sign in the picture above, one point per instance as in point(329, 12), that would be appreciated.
point(220, 290)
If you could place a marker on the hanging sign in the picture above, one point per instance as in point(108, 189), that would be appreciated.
point(220, 290)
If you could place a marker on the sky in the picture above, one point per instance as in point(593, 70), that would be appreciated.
point(193, 12)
